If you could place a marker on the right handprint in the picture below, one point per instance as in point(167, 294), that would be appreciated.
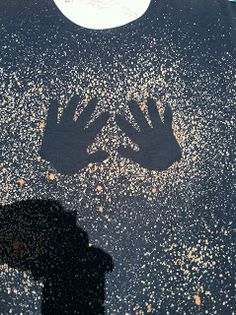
point(158, 147)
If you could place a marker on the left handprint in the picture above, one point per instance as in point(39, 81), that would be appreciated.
point(65, 143)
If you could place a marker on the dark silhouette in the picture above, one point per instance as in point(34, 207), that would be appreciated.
point(158, 147)
point(65, 144)
point(39, 237)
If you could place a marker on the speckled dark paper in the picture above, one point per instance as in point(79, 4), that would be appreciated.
point(170, 234)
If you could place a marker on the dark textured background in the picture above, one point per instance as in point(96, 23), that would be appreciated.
point(170, 234)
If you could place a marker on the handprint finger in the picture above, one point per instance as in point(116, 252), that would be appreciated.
point(83, 119)
point(154, 114)
point(95, 127)
point(69, 111)
point(126, 127)
point(138, 115)
point(98, 157)
point(51, 122)
point(128, 153)
point(168, 117)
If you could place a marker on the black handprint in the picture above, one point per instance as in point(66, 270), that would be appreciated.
point(65, 144)
point(158, 147)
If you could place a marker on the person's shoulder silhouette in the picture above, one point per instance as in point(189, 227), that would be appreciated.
point(38, 236)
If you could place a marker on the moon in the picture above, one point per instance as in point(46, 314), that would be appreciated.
point(102, 14)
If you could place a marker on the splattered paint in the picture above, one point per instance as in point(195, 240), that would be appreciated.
point(171, 233)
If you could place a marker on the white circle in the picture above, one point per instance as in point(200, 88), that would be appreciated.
point(102, 14)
